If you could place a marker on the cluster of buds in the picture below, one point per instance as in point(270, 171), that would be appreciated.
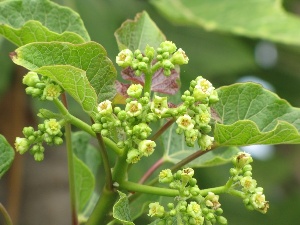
point(195, 122)
point(166, 57)
point(49, 132)
point(191, 208)
point(43, 88)
point(130, 124)
point(254, 199)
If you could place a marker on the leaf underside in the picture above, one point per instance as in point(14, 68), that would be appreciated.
point(7, 155)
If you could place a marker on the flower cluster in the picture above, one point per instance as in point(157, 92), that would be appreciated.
point(166, 57)
point(254, 199)
point(44, 88)
point(49, 132)
point(130, 125)
point(195, 121)
point(191, 207)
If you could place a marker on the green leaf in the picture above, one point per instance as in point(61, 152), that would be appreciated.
point(250, 114)
point(34, 31)
point(176, 149)
point(84, 183)
point(74, 81)
point(56, 18)
point(265, 19)
point(121, 210)
point(137, 33)
point(90, 57)
point(7, 155)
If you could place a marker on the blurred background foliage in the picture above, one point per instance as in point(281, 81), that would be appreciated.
point(224, 59)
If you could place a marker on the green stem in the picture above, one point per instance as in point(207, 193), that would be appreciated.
point(148, 82)
point(85, 127)
point(103, 207)
point(135, 187)
point(5, 214)
point(70, 167)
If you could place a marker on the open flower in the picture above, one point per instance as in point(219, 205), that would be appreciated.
point(194, 209)
point(185, 122)
point(22, 145)
point(124, 58)
point(248, 183)
point(159, 105)
point(135, 90)
point(165, 176)
point(51, 91)
point(155, 209)
point(133, 156)
point(203, 89)
point(179, 57)
point(146, 147)
point(133, 108)
point(105, 107)
point(52, 127)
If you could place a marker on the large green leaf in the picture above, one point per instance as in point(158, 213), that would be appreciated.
point(137, 33)
point(250, 114)
point(90, 57)
point(264, 19)
point(74, 81)
point(121, 210)
point(34, 31)
point(176, 150)
point(7, 155)
point(56, 18)
point(84, 183)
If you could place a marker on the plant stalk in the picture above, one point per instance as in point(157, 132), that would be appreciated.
point(6, 216)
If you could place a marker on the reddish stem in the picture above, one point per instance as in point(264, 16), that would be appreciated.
point(151, 170)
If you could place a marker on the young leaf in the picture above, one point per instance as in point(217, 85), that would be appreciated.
point(34, 31)
point(176, 150)
point(121, 210)
point(7, 155)
point(251, 114)
point(160, 83)
point(73, 81)
point(90, 57)
point(55, 17)
point(262, 19)
point(84, 183)
point(137, 33)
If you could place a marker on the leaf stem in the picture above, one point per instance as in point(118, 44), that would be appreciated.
point(70, 167)
point(107, 170)
point(154, 167)
point(135, 187)
point(163, 129)
point(148, 82)
point(5, 214)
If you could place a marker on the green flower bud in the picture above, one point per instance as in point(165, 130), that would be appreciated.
point(104, 132)
point(105, 108)
point(194, 209)
point(155, 209)
point(168, 46)
point(203, 118)
point(185, 122)
point(135, 90)
point(31, 79)
point(179, 57)
point(159, 105)
point(51, 91)
point(167, 72)
point(166, 64)
point(22, 145)
point(205, 142)
point(213, 98)
point(133, 156)
point(52, 127)
point(122, 115)
point(222, 220)
point(58, 140)
point(34, 92)
point(191, 137)
point(28, 131)
point(171, 205)
point(124, 58)
point(146, 147)
point(149, 52)
point(165, 176)
point(38, 156)
point(133, 108)
point(142, 66)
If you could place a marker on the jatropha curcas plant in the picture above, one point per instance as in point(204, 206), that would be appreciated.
point(133, 121)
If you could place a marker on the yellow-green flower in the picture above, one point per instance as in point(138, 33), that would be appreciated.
point(155, 209)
